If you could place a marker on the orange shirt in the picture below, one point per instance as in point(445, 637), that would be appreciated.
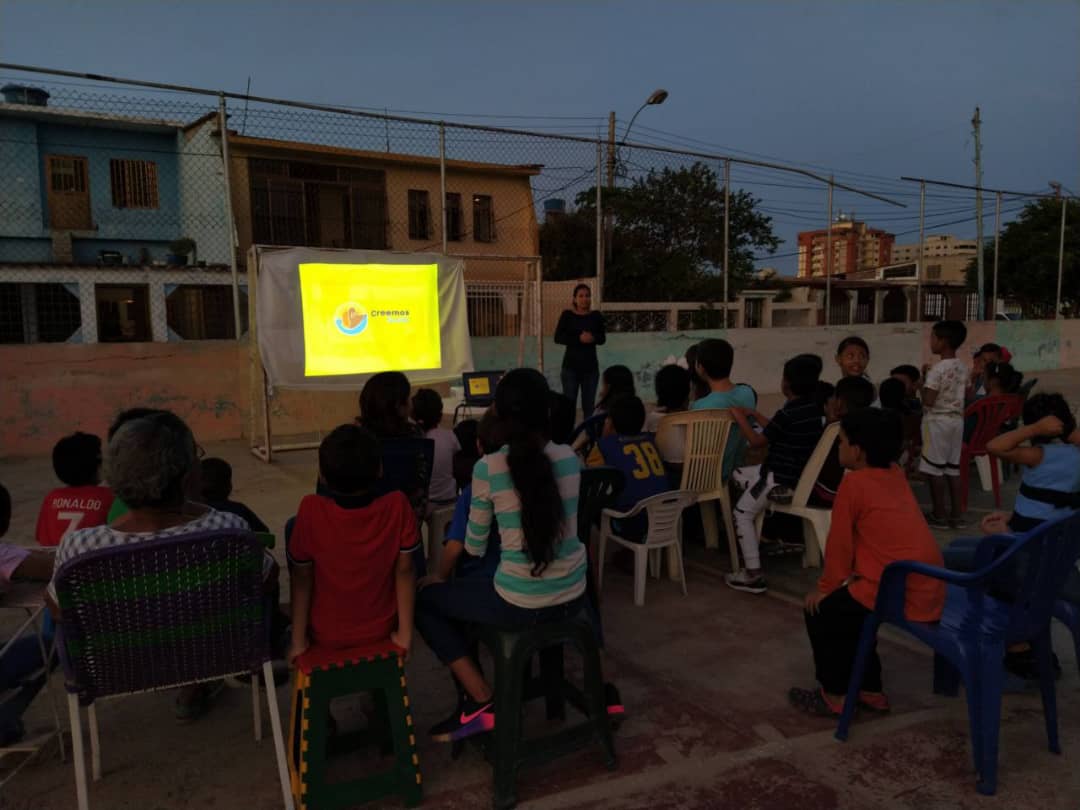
point(875, 521)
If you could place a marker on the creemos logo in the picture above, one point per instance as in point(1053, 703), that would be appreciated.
point(350, 318)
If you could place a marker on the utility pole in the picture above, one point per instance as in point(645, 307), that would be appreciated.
point(1061, 248)
point(828, 257)
point(611, 150)
point(976, 123)
point(922, 251)
point(997, 250)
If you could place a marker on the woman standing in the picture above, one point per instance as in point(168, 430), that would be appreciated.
point(581, 330)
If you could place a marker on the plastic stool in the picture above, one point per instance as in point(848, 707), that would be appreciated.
point(513, 651)
point(318, 680)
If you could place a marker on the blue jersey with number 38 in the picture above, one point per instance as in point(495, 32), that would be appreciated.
point(641, 466)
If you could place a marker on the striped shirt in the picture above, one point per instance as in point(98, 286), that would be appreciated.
point(494, 496)
point(793, 435)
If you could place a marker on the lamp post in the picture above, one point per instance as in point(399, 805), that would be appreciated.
point(655, 97)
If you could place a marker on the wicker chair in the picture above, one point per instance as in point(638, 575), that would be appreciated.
point(161, 614)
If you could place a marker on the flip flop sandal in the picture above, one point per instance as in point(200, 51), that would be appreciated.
point(813, 701)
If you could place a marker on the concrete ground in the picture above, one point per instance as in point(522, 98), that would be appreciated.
point(704, 678)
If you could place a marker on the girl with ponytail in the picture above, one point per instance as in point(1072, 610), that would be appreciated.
point(529, 487)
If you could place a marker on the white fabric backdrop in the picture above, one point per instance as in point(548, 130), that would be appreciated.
point(280, 320)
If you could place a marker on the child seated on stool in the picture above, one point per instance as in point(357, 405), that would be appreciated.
point(875, 521)
point(353, 580)
point(427, 412)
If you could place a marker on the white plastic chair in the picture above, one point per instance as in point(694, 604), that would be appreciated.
point(707, 435)
point(664, 513)
point(818, 519)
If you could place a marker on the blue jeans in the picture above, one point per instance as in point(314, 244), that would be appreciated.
point(586, 382)
point(445, 611)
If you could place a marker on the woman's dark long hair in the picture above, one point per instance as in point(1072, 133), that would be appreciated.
point(384, 405)
point(620, 382)
point(521, 402)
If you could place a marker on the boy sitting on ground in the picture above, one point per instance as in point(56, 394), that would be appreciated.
point(217, 487)
point(875, 521)
point(853, 356)
point(353, 580)
point(943, 424)
point(791, 436)
point(81, 503)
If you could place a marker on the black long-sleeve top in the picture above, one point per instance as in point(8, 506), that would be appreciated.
point(580, 356)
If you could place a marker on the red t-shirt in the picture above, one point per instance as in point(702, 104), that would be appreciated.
point(69, 508)
point(355, 554)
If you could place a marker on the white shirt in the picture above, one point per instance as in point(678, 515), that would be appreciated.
point(443, 487)
point(949, 379)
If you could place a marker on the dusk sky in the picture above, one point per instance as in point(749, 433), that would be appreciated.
point(871, 91)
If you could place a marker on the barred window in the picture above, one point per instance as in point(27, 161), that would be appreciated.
point(204, 312)
point(134, 183)
point(483, 212)
point(58, 315)
point(67, 173)
point(419, 214)
point(454, 229)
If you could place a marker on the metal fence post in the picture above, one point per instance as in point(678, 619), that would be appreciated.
point(599, 226)
point(997, 249)
point(828, 258)
point(223, 128)
point(922, 252)
point(442, 181)
point(727, 252)
point(1061, 256)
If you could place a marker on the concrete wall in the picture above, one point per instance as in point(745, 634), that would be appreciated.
point(48, 390)
point(21, 197)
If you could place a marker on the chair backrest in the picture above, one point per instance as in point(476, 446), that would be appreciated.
point(814, 464)
point(989, 414)
point(479, 387)
point(1038, 562)
point(599, 488)
point(664, 512)
point(162, 612)
point(707, 435)
point(591, 427)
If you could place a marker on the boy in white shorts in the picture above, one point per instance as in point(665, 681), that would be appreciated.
point(943, 423)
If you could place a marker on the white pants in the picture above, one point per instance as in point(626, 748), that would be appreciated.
point(751, 503)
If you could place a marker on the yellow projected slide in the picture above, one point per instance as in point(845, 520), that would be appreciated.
point(364, 318)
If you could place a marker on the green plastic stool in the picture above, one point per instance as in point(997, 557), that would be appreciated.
point(513, 652)
point(313, 689)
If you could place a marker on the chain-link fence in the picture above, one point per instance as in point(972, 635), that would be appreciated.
point(112, 175)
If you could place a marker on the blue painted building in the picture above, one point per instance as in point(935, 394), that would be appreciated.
point(86, 188)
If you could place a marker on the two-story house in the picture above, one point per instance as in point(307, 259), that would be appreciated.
point(95, 211)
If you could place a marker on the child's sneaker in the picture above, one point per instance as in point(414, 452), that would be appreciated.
point(744, 581)
point(876, 702)
point(470, 718)
point(814, 701)
point(781, 494)
point(958, 523)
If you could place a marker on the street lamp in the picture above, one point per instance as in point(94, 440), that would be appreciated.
point(656, 97)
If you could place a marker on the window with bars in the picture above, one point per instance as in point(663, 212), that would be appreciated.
point(419, 214)
point(483, 209)
point(67, 173)
point(123, 313)
point(134, 183)
point(454, 226)
point(204, 312)
point(58, 315)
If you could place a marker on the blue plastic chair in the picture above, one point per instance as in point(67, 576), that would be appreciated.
point(592, 427)
point(1069, 614)
point(969, 641)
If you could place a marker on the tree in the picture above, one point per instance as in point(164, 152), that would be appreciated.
point(1028, 264)
point(667, 237)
